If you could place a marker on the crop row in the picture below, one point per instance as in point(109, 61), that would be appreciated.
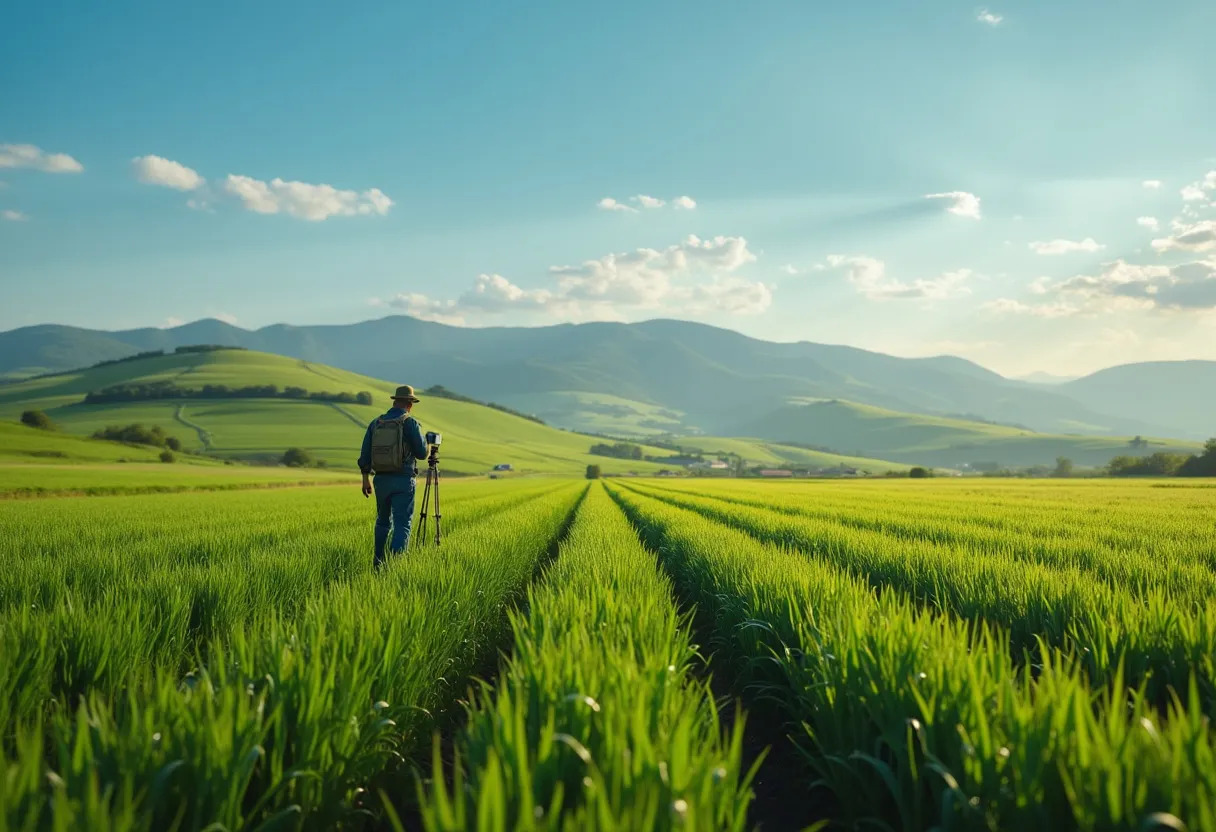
point(596, 720)
point(1150, 637)
point(291, 712)
point(916, 719)
point(1151, 543)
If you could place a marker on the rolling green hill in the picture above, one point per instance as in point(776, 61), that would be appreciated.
point(870, 431)
point(476, 437)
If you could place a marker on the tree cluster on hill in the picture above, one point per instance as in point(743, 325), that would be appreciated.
point(297, 458)
point(136, 357)
point(441, 392)
point(137, 434)
point(37, 419)
point(154, 390)
point(617, 450)
point(1163, 464)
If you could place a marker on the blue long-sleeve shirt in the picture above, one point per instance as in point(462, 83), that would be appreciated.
point(415, 447)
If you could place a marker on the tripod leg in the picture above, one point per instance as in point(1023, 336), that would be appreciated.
point(426, 495)
point(437, 514)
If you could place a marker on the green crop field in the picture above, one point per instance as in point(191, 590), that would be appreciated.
point(618, 655)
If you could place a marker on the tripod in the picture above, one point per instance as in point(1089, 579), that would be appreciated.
point(432, 479)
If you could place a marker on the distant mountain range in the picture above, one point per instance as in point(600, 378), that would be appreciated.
point(675, 376)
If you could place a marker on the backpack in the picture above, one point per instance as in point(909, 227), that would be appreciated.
point(388, 445)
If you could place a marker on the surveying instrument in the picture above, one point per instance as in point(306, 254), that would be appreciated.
point(432, 486)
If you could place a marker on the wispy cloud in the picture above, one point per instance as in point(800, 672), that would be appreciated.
point(1150, 223)
point(1089, 244)
point(1122, 286)
point(645, 202)
point(869, 276)
point(962, 203)
point(31, 156)
point(1197, 236)
point(303, 200)
point(1152, 184)
point(989, 18)
point(610, 204)
point(13, 216)
point(157, 170)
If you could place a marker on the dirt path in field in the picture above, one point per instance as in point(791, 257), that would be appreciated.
point(204, 435)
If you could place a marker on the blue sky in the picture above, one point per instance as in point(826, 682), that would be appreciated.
point(308, 162)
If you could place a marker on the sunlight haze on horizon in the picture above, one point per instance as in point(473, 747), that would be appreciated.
point(1029, 185)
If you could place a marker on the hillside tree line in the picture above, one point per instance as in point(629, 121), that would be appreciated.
point(156, 390)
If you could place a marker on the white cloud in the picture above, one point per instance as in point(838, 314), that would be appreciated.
point(990, 18)
point(12, 215)
point(226, 317)
point(869, 276)
point(1089, 244)
point(1193, 193)
point(494, 293)
point(1150, 223)
point(610, 204)
point(1196, 191)
point(1198, 236)
point(30, 156)
point(647, 202)
point(644, 277)
point(693, 274)
point(157, 170)
point(305, 201)
point(424, 308)
point(962, 204)
point(1152, 184)
point(171, 322)
point(1122, 286)
point(789, 268)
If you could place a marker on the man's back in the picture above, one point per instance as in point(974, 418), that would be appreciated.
point(412, 446)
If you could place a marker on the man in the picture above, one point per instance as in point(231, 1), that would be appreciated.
point(391, 445)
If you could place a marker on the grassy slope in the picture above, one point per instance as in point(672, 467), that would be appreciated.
point(475, 437)
point(908, 437)
point(21, 444)
point(598, 413)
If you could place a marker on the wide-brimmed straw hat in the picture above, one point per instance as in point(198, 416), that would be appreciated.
point(406, 393)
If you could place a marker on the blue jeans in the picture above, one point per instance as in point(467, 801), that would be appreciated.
point(395, 508)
